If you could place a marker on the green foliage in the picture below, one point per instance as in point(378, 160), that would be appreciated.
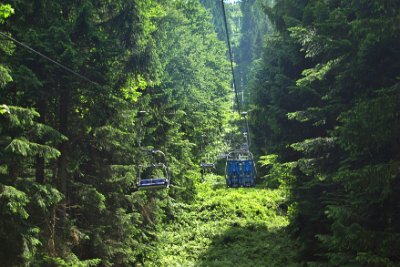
point(71, 260)
point(5, 46)
point(5, 12)
point(279, 174)
point(23, 147)
point(4, 109)
point(13, 202)
point(20, 130)
point(72, 148)
point(223, 227)
point(367, 116)
point(316, 73)
point(5, 76)
point(325, 96)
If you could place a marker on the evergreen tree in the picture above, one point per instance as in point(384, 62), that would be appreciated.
point(73, 143)
point(332, 94)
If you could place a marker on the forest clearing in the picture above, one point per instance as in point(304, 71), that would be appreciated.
point(226, 227)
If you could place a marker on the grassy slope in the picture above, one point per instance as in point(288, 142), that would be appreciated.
point(226, 227)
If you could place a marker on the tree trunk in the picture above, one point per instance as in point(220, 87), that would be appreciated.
point(51, 247)
point(62, 164)
point(39, 170)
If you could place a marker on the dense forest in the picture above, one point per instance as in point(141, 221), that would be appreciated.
point(89, 89)
point(325, 108)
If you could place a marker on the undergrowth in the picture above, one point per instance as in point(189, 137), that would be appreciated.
point(226, 227)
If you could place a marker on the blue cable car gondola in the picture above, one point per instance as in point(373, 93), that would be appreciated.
point(159, 179)
point(240, 169)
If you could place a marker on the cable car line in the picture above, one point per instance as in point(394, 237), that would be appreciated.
point(230, 56)
point(243, 114)
point(240, 170)
point(48, 58)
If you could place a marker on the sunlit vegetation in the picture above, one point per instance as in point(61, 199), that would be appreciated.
point(71, 145)
point(226, 227)
point(87, 88)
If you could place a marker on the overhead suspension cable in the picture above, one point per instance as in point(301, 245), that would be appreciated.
point(48, 58)
point(243, 114)
point(230, 56)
